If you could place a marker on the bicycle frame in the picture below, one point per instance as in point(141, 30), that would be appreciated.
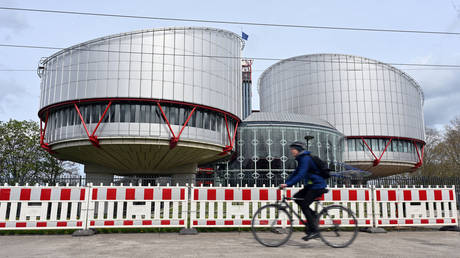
point(283, 203)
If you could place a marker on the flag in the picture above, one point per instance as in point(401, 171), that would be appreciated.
point(244, 36)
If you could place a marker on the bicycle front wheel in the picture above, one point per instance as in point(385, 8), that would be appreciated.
point(271, 225)
point(338, 226)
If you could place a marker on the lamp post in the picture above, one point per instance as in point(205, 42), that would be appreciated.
point(308, 138)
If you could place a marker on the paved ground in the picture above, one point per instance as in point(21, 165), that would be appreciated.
point(393, 244)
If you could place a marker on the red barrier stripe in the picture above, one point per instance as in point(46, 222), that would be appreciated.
point(61, 224)
point(263, 194)
point(196, 194)
point(94, 194)
point(41, 224)
point(229, 195)
point(2, 224)
point(352, 222)
point(392, 195)
point(336, 195)
point(439, 221)
point(146, 222)
point(451, 195)
point(182, 194)
point(380, 222)
point(336, 221)
point(409, 221)
point(407, 195)
point(246, 194)
point(45, 195)
point(5, 194)
point(130, 194)
point(263, 222)
point(111, 194)
point(211, 195)
point(82, 194)
point(165, 222)
point(148, 194)
point(65, 194)
point(25, 194)
point(366, 195)
point(166, 194)
point(278, 194)
point(321, 222)
point(278, 222)
point(92, 223)
point(211, 222)
point(438, 195)
point(378, 195)
point(368, 221)
point(246, 222)
point(21, 224)
point(228, 222)
point(453, 221)
point(422, 195)
point(79, 223)
point(195, 222)
point(424, 221)
point(393, 221)
point(181, 222)
point(128, 223)
point(109, 223)
point(288, 193)
point(352, 195)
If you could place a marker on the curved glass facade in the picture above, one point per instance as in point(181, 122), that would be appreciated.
point(263, 151)
point(136, 118)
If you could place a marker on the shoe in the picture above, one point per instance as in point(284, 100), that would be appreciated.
point(311, 235)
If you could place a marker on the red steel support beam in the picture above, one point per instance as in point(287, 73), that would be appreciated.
point(91, 138)
point(43, 144)
point(173, 142)
point(420, 157)
point(100, 120)
point(377, 160)
point(228, 130)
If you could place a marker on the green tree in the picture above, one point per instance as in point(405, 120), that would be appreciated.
point(21, 158)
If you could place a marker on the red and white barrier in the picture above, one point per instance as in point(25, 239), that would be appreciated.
point(57, 207)
point(42, 207)
point(234, 206)
point(128, 206)
point(415, 206)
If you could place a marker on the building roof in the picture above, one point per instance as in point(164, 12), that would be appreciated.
point(288, 118)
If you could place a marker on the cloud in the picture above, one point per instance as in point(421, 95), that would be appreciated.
point(11, 23)
point(11, 95)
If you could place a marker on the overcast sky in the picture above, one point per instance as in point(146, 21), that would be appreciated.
point(19, 96)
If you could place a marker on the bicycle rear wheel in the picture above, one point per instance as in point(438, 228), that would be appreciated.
point(271, 225)
point(338, 226)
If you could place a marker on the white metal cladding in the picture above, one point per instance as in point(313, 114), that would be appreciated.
point(234, 206)
point(187, 64)
point(359, 96)
point(415, 206)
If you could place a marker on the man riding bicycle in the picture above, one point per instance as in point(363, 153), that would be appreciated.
point(314, 186)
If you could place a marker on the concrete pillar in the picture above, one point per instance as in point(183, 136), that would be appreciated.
point(98, 175)
point(183, 179)
point(184, 175)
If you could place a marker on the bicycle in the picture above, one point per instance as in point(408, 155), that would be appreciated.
point(272, 224)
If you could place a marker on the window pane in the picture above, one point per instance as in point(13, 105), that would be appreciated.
point(123, 112)
point(213, 121)
point(206, 119)
point(132, 118)
point(145, 109)
point(96, 110)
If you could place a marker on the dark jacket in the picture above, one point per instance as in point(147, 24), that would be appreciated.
point(304, 171)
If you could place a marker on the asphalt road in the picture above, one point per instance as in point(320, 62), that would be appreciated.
point(233, 244)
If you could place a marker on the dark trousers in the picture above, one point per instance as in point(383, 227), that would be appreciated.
point(308, 196)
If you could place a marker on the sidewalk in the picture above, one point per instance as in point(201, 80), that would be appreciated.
point(392, 244)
